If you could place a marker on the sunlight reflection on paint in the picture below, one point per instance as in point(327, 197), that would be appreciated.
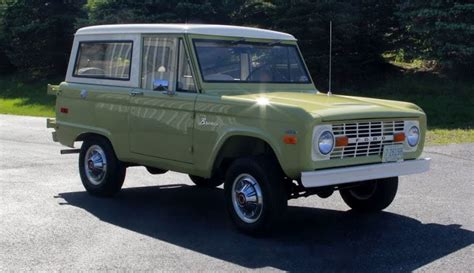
point(263, 101)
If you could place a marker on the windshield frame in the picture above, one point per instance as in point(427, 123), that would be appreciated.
point(237, 41)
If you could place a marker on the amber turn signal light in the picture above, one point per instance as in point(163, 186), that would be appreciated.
point(342, 141)
point(399, 137)
point(290, 139)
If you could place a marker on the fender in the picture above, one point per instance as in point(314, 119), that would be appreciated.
point(248, 132)
point(74, 132)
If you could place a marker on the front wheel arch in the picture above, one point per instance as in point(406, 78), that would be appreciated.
point(240, 146)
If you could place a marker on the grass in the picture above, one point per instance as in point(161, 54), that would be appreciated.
point(398, 59)
point(449, 104)
point(448, 136)
point(23, 107)
point(19, 97)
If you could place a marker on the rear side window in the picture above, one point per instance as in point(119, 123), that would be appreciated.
point(104, 60)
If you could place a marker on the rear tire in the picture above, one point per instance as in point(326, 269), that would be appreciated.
point(206, 182)
point(102, 174)
point(371, 196)
point(255, 194)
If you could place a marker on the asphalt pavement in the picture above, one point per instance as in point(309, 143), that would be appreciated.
point(164, 223)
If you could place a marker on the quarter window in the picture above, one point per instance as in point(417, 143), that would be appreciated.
point(185, 76)
point(104, 60)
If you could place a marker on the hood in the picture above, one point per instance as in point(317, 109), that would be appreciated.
point(335, 107)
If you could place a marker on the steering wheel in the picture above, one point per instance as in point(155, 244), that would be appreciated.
point(273, 71)
point(256, 70)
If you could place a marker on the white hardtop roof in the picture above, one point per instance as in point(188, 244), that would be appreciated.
point(219, 30)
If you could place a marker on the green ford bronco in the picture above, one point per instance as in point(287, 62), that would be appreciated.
point(228, 105)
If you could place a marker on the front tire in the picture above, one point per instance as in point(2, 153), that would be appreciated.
point(371, 196)
point(255, 194)
point(102, 174)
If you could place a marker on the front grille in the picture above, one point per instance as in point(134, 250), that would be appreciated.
point(365, 138)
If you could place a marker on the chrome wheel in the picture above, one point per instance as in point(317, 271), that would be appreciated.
point(247, 198)
point(95, 164)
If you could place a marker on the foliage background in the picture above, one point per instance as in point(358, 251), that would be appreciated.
point(415, 50)
point(35, 35)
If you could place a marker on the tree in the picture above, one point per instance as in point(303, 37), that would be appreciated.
point(5, 64)
point(160, 11)
point(441, 30)
point(361, 27)
point(360, 35)
point(39, 34)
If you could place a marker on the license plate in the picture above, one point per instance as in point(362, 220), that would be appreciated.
point(392, 153)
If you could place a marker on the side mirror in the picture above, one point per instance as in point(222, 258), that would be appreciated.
point(160, 85)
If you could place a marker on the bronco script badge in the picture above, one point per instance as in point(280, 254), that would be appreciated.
point(205, 122)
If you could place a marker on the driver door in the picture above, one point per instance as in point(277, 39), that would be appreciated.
point(162, 110)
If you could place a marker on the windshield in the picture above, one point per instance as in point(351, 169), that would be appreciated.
point(240, 61)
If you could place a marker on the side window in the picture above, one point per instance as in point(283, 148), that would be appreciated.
point(104, 60)
point(185, 77)
point(159, 63)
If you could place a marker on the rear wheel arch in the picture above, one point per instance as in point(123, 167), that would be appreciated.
point(119, 149)
point(89, 135)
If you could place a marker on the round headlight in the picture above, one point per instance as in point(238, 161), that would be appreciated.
point(326, 142)
point(413, 136)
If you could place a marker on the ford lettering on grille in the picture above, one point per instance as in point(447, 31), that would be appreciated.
point(370, 139)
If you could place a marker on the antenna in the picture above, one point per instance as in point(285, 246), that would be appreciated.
point(330, 57)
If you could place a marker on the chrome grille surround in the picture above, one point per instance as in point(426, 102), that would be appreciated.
point(366, 138)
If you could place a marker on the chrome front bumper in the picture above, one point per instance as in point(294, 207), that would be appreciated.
point(362, 173)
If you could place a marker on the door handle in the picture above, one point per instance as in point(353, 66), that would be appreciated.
point(169, 93)
point(136, 93)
